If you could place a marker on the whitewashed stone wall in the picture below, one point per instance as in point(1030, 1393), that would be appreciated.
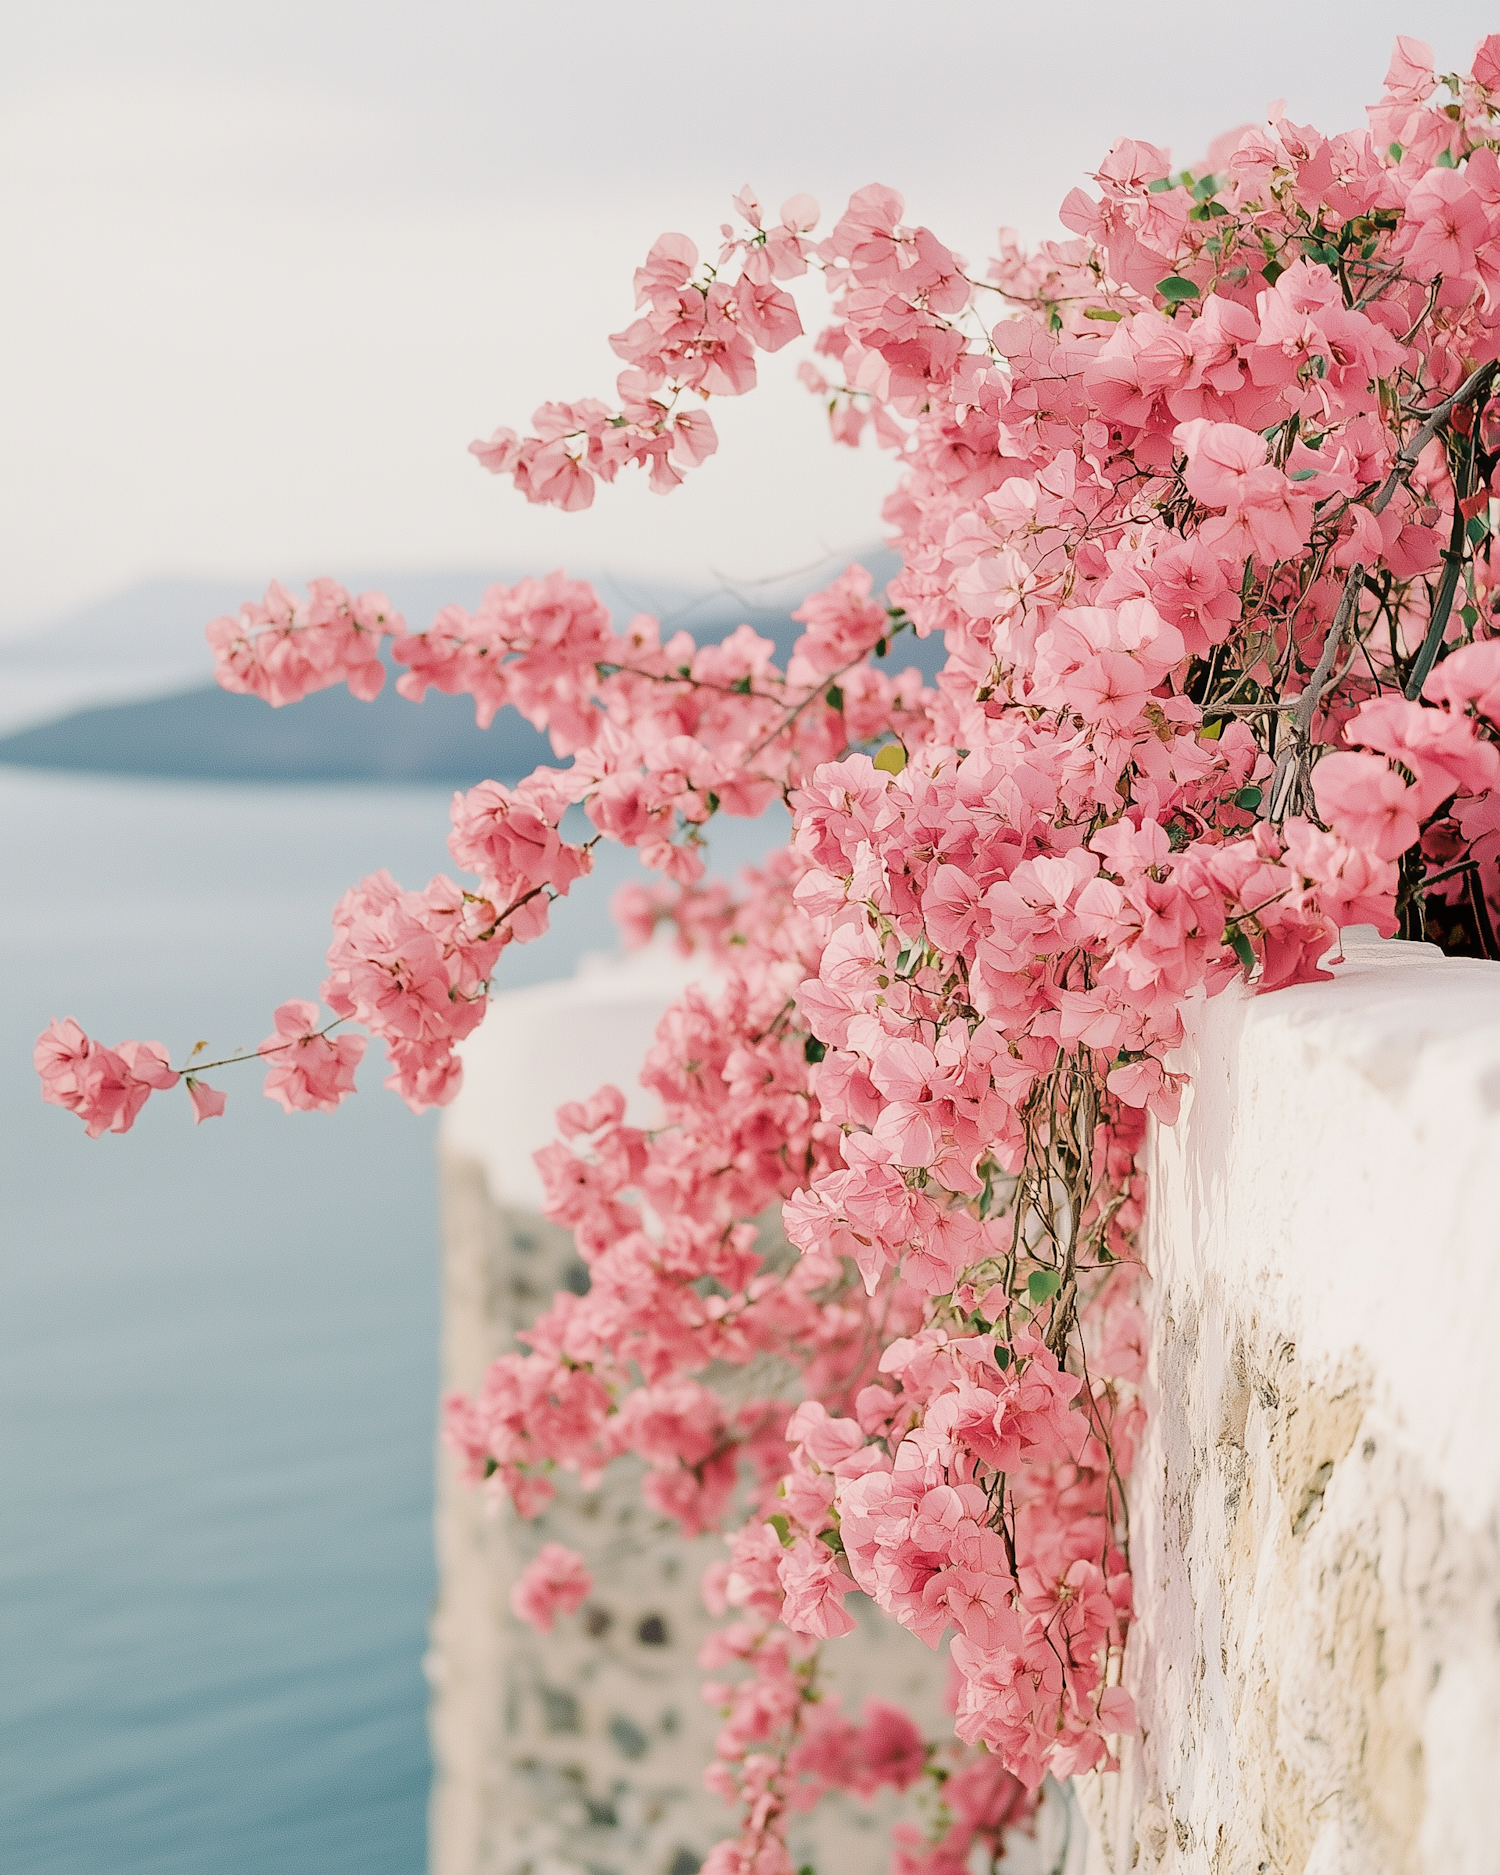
point(584, 1750)
point(1314, 1512)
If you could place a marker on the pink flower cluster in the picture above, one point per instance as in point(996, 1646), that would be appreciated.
point(414, 968)
point(781, 1747)
point(1137, 511)
point(1425, 765)
point(533, 645)
point(105, 1087)
point(283, 648)
point(697, 333)
point(1038, 1617)
point(555, 1582)
point(308, 1072)
point(1202, 501)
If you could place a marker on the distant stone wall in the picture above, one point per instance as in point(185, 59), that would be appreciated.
point(582, 1752)
point(582, 1748)
point(1314, 1511)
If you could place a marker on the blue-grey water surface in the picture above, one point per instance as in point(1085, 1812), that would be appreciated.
point(217, 1352)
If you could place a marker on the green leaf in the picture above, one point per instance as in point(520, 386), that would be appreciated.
point(1249, 799)
point(1102, 312)
point(1204, 187)
point(1477, 529)
point(990, 1196)
point(741, 686)
point(891, 759)
point(813, 1049)
point(835, 697)
point(1176, 289)
point(1395, 152)
point(1243, 949)
point(1002, 1356)
point(782, 1528)
point(882, 645)
point(1042, 1285)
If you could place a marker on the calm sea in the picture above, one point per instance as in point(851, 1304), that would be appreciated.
point(217, 1353)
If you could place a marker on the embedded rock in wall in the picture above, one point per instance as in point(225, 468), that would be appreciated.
point(1316, 1658)
point(584, 1749)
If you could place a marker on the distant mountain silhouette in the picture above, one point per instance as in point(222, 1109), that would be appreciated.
point(205, 733)
point(209, 734)
point(156, 623)
point(159, 623)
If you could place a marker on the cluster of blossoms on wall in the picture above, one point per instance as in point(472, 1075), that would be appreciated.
point(1201, 502)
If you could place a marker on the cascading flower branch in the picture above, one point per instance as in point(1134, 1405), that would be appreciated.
point(1202, 503)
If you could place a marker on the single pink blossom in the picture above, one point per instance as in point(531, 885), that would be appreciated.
point(555, 1582)
point(208, 1102)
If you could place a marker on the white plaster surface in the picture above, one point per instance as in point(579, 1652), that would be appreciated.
point(1314, 1510)
point(539, 1047)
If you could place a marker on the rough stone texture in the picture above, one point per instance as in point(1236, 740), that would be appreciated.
point(584, 1750)
point(578, 1748)
point(1314, 1511)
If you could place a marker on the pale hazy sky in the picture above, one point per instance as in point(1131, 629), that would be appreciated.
point(269, 268)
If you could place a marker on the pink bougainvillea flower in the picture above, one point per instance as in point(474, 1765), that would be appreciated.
point(208, 1102)
point(555, 1582)
point(308, 1072)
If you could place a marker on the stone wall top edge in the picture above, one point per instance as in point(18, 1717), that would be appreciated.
point(1331, 1184)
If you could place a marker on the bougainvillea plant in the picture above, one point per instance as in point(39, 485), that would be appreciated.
point(1201, 501)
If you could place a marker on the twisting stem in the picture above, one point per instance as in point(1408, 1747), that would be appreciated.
point(1481, 911)
point(1473, 386)
point(1420, 671)
point(1448, 872)
point(1083, 1115)
point(1453, 566)
point(812, 696)
point(1288, 792)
